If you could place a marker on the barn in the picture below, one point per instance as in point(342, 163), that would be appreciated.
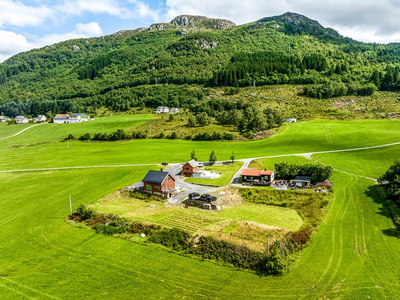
point(189, 168)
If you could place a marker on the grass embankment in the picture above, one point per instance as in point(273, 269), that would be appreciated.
point(156, 212)
point(319, 135)
point(56, 132)
point(9, 130)
point(227, 172)
point(162, 124)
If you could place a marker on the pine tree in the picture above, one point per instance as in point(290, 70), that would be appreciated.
point(213, 157)
point(193, 155)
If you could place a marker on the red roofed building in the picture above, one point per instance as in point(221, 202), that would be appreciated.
point(257, 177)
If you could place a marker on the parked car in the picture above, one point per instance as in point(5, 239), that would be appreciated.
point(194, 196)
point(210, 198)
point(164, 164)
point(204, 197)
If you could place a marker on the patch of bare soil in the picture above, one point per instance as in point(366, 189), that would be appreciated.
point(229, 197)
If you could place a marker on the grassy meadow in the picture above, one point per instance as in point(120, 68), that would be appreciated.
point(9, 130)
point(303, 137)
point(227, 172)
point(354, 255)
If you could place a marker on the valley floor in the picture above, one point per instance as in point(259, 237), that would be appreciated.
point(354, 255)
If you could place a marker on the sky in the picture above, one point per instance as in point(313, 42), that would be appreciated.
point(27, 24)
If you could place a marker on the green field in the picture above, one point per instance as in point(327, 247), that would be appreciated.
point(354, 255)
point(9, 130)
point(319, 135)
point(227, 172)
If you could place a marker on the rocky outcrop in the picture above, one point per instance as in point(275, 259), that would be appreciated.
point(187, 20)
point(75, 47)
point(204, 44)
point(125, 33)
point(161, 26)
point(201, 21)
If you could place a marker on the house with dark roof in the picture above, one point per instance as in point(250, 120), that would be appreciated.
point(301, 182)
point(159, 183)
point(189, 168)
point(257, 177)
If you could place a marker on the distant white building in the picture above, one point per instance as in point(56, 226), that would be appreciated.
point(174, 110)
point(72, 118)
point(40, 118)
point(162, 110)
point(4, 119)
point(290, 120)
point(21, 120)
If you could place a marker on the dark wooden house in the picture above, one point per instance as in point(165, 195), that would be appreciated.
point(189, 168)
point(159, 183)
point(257, 177)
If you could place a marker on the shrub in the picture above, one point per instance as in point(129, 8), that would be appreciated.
point(300, 238)
point(146, 228)
point(174, 238)
point(85, 213)
point(85, 137)
point(110, 230)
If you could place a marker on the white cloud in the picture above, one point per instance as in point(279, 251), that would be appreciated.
point(78, 7)
point(18, 14)
point(90, 29)
point(144, 11)
point(82, 31)
point(12, 43)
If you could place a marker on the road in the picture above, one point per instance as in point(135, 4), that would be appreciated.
point(21, 131)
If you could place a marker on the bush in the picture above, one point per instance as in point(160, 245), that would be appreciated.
point(110, 230)
point(173, 135)
point(146, 228)
point(85, 137)
point(174, 238)
point(85, 213)
point(300, 238)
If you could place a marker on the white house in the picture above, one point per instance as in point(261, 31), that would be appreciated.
point(72, 118)
point(162, 110)
point(40, 118)
point(290, 120)
point(4, 119)
point(174, 110)
point(21, 120)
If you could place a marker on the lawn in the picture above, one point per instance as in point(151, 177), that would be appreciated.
point(227, 172)
point(157, 212)
point(319, 135)
point(9, 130)
point(56, 132)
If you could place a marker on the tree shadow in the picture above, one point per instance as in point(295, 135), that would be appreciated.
point(372, 192)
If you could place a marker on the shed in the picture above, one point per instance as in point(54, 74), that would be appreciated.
point(290, 120)
point(301, 181)
point(189, 168)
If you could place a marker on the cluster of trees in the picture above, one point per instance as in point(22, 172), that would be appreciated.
point(201, 119)
point(317, 172)
point(92, 68)
point(215, 136)
point(390, 183)
point(337, 88)
point(262, 67)
point(30, 108)
point(118, 135)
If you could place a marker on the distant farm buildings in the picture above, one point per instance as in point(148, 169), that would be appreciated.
point(290, 120)
point(165, 110)
point(40, 118)
point(21, 120)
point(4, 119)
point(72, 118)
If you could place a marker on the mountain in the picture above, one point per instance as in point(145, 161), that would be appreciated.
point(121, 70)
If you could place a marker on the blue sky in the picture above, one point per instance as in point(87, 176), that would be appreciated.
point(27, 24)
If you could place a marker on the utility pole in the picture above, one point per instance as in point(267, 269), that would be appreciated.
point(268, 244)
point(150, 130)
point(254, 84)
point(70, 205)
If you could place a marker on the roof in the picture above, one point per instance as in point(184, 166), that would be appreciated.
point(162, 107)
point(79, 114)
point(155, 177)
point(303, 179)
point(3, 117)
point(62, 116)
point(193, 163)
point(252, 172)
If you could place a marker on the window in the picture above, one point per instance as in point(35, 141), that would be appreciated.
point(148, 187)
point(262, 178)
point(187, 169)
point(251, 177)
point(245, 177)
point(157, 187)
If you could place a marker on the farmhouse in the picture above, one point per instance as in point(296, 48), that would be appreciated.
point(189, 168)
point(159, 183)
point(301, 181)
point(40, 118)
point(21, 120)
point(4, 119)
point(162, 110)
point(174, 110)
point(257, 177)
point(72, 118)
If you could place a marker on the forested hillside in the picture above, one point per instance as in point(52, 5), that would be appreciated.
point(149, 66)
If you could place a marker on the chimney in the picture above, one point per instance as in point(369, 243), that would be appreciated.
point(161, 169)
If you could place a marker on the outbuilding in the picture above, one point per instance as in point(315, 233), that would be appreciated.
point(189, 168)
point(290, 120)
point(162, 110)
point(159, 183)
point(4, 119)
point(302, 181)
